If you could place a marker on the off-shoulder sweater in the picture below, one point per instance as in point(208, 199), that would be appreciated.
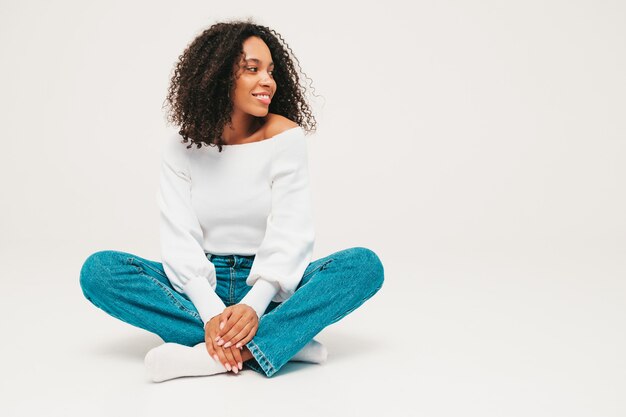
point(249, 199)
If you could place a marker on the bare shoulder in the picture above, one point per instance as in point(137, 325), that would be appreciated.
point(277, 124)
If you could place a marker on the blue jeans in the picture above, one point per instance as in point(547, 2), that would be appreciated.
point(137, 291)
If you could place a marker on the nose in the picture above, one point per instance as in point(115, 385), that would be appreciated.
point(266, 79)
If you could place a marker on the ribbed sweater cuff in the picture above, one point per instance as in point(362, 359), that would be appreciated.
point(260, 296)
point(204, 298)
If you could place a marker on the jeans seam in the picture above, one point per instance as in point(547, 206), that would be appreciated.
point(231, 289)
point(163, 288)
point(319, 268)
point(109, 312)
point(153, 269)
point(265, 363)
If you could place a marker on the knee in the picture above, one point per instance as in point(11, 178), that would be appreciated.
point(370, 266)
point(94, 273)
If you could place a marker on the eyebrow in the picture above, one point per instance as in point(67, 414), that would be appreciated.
point(257, 61)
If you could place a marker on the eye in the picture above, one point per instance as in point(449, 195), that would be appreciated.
point(254, 68)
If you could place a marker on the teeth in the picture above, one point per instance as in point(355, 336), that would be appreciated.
point(261, 95)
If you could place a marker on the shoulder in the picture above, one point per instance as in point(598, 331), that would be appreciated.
point(276, 124)
point(174, 151)
point(290, 148)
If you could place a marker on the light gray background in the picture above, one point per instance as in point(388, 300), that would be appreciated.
point(477, 146)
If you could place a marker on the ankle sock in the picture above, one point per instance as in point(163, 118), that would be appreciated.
point(173, 360)
point(312, 352)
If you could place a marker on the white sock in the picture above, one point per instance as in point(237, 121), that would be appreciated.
point(313, 352)
point(172, 360)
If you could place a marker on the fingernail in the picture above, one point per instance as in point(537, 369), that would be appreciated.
point(216, 358)
point(220, 343)
point(217, 338)
point(222, 325)
point(240, 365)
point(238, 345)
point(227, 344)
point(228, 366)
point(235, 369)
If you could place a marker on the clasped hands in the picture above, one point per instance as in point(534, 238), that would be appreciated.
point(227, 333)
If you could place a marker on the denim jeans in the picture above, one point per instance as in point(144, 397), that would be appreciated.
point(137, 291)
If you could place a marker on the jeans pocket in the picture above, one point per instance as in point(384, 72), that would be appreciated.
point(142, 265)
point(317, 268)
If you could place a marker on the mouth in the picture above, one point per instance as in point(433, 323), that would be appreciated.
point(263, 98)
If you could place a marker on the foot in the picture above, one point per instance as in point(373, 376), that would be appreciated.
point(171, 360)
point(312, 352)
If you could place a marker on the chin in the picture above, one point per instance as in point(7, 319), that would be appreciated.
point(259, 112)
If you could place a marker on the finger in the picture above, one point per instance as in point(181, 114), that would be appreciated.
point(248, 338)
point(208, 342)
point(224, 316)
point(240, 319)
point(214, 354)
point(237, 337)
point(209, 347)
point(227, 319)
point(236, 328)
point(217, 354)
point(231, 360)
point(233, 320)
point(209, 327)
point(238, 358)
point(212, 330)
point(221, 354)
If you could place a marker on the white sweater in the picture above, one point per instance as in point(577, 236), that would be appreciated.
point(250, 199)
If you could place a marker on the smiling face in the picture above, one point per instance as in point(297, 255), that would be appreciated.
point(254, 84)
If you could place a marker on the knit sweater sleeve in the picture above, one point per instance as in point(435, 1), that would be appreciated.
point(184, 261)
point(287, 246)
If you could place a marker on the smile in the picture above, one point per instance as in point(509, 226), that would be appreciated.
point(263, 98)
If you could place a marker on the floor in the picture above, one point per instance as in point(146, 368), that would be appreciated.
point(463, 338)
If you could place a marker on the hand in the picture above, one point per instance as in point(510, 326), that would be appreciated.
point(238, 325)
point(229, 357)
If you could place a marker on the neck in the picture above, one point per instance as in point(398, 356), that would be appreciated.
point(243, 126)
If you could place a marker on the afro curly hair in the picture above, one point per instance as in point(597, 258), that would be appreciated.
point(199, 92)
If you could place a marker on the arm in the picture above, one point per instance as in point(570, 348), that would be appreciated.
point(184, 260)
point(287, 247)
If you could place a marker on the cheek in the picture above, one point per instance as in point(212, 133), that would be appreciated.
point(244, 91)
point(242, 95)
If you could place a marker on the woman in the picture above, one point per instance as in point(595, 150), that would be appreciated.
point(237, 285)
